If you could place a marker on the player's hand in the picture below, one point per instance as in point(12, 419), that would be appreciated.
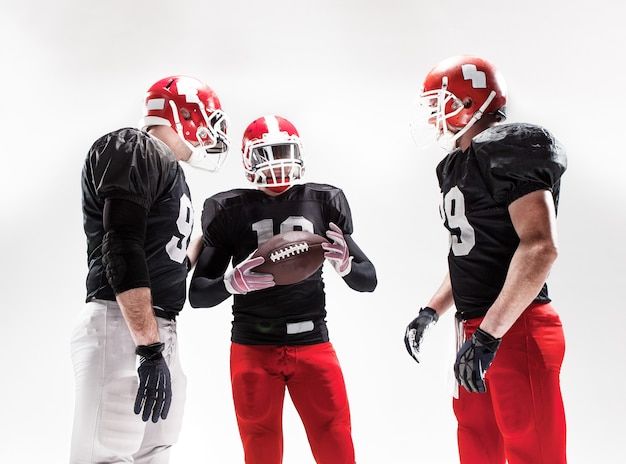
point(337, 252)
point(154, 394)
point(241, 280)
point(473, 360)
point(414, 333)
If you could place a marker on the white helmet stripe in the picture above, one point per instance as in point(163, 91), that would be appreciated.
point(155, 104)
point(272, 124)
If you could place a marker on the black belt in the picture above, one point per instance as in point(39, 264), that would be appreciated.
point(158, 312)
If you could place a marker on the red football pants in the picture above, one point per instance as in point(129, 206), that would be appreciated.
point(521, 417)
point(259, 375)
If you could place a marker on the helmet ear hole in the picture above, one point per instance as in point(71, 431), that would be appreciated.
point(467, 103)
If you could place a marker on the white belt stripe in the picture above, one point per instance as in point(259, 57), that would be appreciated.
point(300, 327)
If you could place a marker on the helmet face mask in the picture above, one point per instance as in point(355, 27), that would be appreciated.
point(272, 153)
point(212, 143)
point(193, 110)
point(456, 93)
point(443, 106)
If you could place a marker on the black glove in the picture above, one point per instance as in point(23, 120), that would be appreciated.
point(473, 360)
point(415, 330)
point(154, 395)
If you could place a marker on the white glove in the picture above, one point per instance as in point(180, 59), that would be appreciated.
point(241, 280)
point(337, 253)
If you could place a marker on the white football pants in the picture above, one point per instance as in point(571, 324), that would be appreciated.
point(106, 429)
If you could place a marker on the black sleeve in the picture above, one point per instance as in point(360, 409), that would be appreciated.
point(362, 278)
point(340, 212)
point(125, 217)
point(207, 283)
point(123, 253)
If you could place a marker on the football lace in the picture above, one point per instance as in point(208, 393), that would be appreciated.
point(291, 250)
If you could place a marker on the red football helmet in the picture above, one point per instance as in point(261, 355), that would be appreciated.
point(272, 153)
point(458, 91)
point(194, 111)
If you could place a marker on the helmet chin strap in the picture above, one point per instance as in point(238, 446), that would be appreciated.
point(201, 159)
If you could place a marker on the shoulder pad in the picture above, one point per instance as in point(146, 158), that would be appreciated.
point(519, 156)
point(128, 163)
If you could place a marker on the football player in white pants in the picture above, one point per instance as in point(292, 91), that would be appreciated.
point(105, 426)
point(138, 219)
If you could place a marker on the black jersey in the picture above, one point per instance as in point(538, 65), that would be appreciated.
point(131, 165)
point(238, 221)
point(502, 164)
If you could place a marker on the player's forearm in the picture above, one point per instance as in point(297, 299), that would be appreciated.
point(528, 272)
point(136, 306)
point(193, 251)
point(206, 293)
point(442, 299)
point(362, 277)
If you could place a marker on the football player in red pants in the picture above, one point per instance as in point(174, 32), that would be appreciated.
point(520, 417)
point(500, 185)
point(279, 335)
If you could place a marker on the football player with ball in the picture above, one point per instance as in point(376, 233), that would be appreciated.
point(279, 335)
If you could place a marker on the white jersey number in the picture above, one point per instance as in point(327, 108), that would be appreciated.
point(462, 236)
point(265, 228)
point(177, 246)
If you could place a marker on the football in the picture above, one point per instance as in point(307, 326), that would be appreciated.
point(291, 256)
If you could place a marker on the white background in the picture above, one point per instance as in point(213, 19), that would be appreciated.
point(346, 72)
